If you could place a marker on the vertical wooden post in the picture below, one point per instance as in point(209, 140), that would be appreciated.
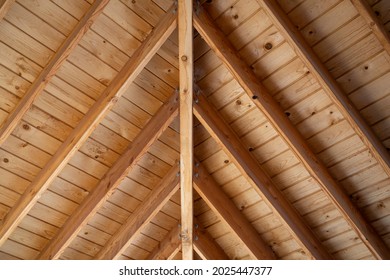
point(186, 125)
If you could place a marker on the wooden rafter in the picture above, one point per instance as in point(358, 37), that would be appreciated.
point(86, 126)
point(5, 5)
point(223, 207)
point(169, 247)
point(373, 22)
point(126, 234)
point(332, 88)
point(51, 68)
point(205, 246)
point(252, 171)
point(272, 110)
point(186, 125)
point(153, 129)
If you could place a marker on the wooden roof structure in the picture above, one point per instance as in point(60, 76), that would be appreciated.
point(217, 129)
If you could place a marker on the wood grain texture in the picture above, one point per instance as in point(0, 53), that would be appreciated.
point(5, 5)
point(264, 101)
point(205, 246)
point(169, 247)
point(253, 172)
point(186, 125)
point(330, 85)
point(153, 203)
point(373, 22)
point(51, 68)
point(218, 201)
point(88, 123)
point(148, 135)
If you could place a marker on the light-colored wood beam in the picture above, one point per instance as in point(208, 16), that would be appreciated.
point(252, 171)
point(51, 68)
point(89, 122)
point(141, 217)
point(205, 246)
point(225, 209)
point(373, 22)
point(111, 180)
point(169, 247)
point(186, 125)
point(325, 79)
point(5, 5)
point(274, 113)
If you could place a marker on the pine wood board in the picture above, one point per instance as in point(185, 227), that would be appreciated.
point(12, 82)
point(28, 239)
point(35, 27)
point(308, 11)
point(379, 111)
point(371, 92)
point(18, 63)
point(289, 5)
point(236, 14)
point(352, 253)
point(343, 38)
point(365, 73)
point(366, 178)
point(77, 10)
point(12, 181)
point(333, 19)
point(252, 51)
point(24, 44)
point(52, 14)
point(355, 55)
point(18, 250)
point(308, 107)
point(286, 76)
point(17, 166)
point(249, 30)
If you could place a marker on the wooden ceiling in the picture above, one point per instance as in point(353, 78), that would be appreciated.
point(284, 109)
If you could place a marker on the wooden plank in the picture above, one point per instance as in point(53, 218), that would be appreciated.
point(5, 5)
point(186, 124)
point(223, 207)
point(158, 197)
point(51, 69)
point(169, 247)
point(330, 85)
point(253, 172)
point(205, 246)
point(275, 114)
point(112, 179)
point(373, 22)
point(86, 126)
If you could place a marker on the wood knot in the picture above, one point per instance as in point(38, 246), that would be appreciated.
point(6, 160)
point(26, 127)
point(184, 58)
point(268, 46)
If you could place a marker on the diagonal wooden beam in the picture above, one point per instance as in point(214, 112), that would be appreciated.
point(223, 207)
point(252, 171)
point(111, 180)
point(93, 117)
point(205, 246)
point(156, 200)
point(51, 68)
point(5, 5)
point(169, 247)
point(332, 88)
point(272, 110)
point(373, 22)
point(186, 124)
